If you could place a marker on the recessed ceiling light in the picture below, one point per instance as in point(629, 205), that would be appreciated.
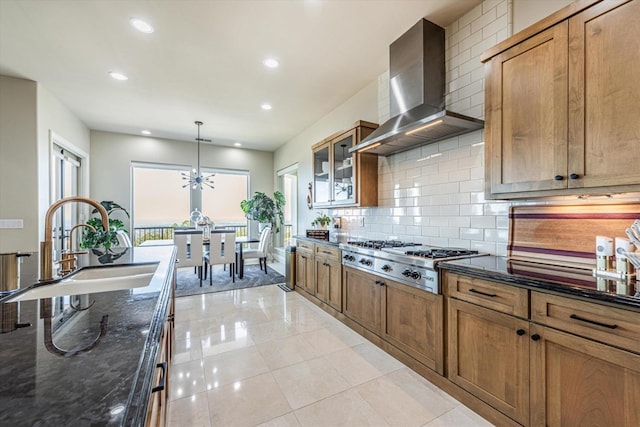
point(145, 132)
point(118, 76)
point(237, 144)
point(266, 106)
point(141, 25)
point(271, 63)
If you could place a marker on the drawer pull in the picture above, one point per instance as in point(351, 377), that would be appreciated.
point(593, 322)
point(482, 293)
point(160, 386)
point(520, 332)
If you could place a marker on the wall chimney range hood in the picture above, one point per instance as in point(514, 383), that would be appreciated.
point(417, 95)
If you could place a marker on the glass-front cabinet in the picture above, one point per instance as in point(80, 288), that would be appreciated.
point(341, 178)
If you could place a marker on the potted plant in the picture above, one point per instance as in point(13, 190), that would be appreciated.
point(321, 221)
point(264, 209)
point(101, 237)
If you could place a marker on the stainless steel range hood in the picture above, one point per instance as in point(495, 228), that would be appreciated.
point(417, 95)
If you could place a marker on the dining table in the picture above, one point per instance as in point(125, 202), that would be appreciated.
point(240, 242)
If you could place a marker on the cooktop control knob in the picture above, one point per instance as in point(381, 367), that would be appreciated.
point(368, 263)
point(406, 273)
point(416, 275)
point(386, 268)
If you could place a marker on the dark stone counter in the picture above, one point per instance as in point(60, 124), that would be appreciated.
point(86, 359)
point(319, 241)
point(570, 282)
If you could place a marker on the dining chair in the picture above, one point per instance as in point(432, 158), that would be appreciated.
point(123, 239)
point(189, 243)
point(221, 252)
point(261, 252)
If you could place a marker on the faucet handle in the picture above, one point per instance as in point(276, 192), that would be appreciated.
point(67, 263)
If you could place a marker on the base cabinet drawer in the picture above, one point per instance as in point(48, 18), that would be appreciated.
point(609, 325)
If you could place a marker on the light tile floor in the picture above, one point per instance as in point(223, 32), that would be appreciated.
point(262, 356)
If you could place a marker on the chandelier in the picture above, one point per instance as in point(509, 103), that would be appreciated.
point(195, 179)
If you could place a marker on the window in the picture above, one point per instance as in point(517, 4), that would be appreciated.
point(222, 203)
point(159, 201)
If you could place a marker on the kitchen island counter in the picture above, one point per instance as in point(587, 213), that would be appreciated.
point(86, 359)
point(535, 276)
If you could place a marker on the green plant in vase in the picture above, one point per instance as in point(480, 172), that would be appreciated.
point(264, 209)
point(321, 221)
point(102, 238)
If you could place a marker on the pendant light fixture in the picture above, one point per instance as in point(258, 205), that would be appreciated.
point(195, 179)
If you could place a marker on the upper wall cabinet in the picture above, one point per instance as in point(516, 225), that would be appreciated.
point(562, 102)
point(341, 178)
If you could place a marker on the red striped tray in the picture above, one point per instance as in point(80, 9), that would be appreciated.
point(565, 234)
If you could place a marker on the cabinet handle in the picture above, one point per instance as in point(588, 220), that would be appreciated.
point(171, 318)
point(535, 337)
point(520, 332)
point(160, 386)
point(379, 282)
point(325, 264)
point(593, 322)
point(574, 176)
point(558, 177)
point(303, 257)
point(482, 293)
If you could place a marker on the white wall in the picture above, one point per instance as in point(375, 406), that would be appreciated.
point(113, 153)
point(28, 113)
point(528, 12)
point(18, 165)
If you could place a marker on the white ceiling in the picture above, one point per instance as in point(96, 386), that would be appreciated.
point(204, 60)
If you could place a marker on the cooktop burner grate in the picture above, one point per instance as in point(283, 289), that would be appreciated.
point(437, 253)
point(379, 244)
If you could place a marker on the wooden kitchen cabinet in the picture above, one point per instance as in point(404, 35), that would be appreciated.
point(328, 275)
point(487, 345)
point(305, 278)
point(362, 298)
point(159, 399)
point(579, 382)
point(412, 321)
point(561, 104)
point(341, 178)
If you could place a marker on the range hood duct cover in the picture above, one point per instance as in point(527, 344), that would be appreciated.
point(417, 95)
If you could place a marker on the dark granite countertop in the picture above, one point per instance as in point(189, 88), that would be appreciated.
point(570, 282)
point(319, 241)
point(98, 365)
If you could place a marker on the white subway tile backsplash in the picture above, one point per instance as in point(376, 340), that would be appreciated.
point(488, 221)
point(472, 209)
point(470, 16)
point(434, 194)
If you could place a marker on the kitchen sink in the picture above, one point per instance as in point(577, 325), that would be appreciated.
point(93, 280)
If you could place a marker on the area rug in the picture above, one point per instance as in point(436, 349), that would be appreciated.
point(189, 284)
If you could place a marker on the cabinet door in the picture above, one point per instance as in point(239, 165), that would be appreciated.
point(578, 382)
point(526, 112)
point(362, 296)
point(488, 355)
point(343, 168)
point(304, 272)
point(413, 322)
point(329, 282)
point(604, 102)
point(322, 191)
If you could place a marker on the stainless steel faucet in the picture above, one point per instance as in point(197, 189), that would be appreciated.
point(46, 246)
